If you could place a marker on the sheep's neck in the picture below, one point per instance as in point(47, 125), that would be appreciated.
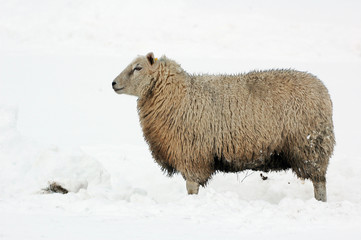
point(160, 117)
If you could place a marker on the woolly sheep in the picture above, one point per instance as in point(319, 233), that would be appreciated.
point(200, 124)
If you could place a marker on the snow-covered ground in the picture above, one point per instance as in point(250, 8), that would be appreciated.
point(61, 121)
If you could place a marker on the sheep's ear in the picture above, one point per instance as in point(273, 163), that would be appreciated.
point(150, 58)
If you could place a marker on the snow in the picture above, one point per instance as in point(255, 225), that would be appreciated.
point(61, 121)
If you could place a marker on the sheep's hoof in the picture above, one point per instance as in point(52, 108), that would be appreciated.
point(320, 191)
point(192, 187)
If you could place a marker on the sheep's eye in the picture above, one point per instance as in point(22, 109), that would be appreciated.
point(137, 68)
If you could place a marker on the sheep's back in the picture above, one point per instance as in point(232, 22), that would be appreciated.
point(248, 116)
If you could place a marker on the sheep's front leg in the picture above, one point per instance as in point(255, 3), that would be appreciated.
point(192, 187)
point(320, 191)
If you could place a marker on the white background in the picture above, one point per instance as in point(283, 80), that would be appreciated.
point(61, 121)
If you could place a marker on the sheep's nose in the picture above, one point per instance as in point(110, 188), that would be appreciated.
point(113, 83)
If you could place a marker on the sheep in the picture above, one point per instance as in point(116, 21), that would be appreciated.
point(198, 125)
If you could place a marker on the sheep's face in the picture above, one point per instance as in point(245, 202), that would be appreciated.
point(136, 77)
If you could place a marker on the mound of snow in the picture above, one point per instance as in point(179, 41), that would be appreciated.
point(27, 167)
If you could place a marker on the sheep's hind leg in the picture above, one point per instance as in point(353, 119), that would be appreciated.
point(320, 191)
point(192, 187)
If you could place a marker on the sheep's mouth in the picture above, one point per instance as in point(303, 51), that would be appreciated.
point(118, 89)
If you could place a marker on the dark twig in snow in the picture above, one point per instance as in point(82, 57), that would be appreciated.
point(55, 188)
point(247, 175)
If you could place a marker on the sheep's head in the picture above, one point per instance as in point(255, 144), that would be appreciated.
point(137, 76)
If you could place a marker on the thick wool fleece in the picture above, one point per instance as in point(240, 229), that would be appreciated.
point(262, 120)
